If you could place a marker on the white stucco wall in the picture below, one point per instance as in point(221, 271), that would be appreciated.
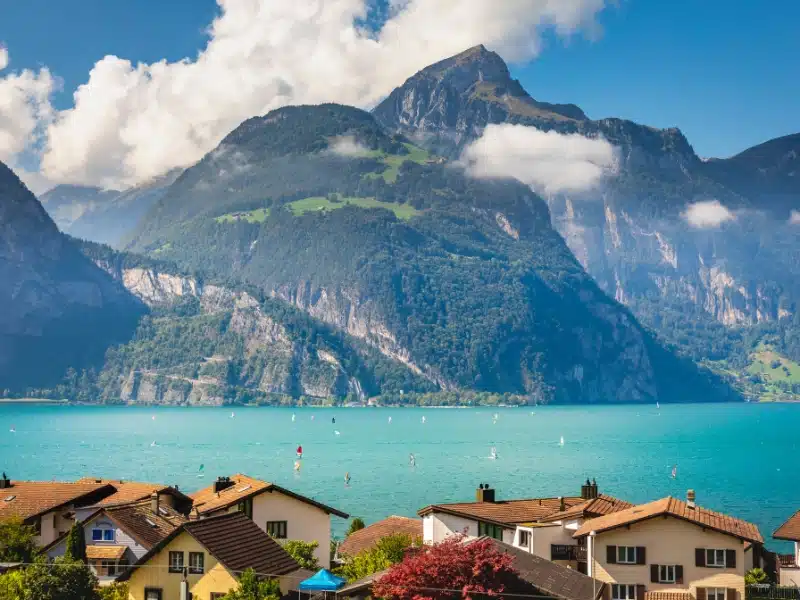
point(790, 577)
point(443, 525)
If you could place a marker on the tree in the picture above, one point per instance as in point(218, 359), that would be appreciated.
point(12, 585)
point(755, 576)
point(63, 579)
point(475, 568)
point(387, 551)
point(395, 546)
point(356, 524)
point(303, 553)
point(76, 543)
point(17, 542)
point(253, 588)
point(117, 590)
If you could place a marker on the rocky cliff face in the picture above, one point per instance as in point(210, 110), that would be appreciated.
point(632, 235)
point(57, 309)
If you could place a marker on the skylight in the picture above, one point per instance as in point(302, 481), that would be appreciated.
point(163, 511)
point(244, 489)
point(9, 498)
point(149, 522)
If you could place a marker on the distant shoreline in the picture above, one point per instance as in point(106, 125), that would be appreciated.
point(32, 401)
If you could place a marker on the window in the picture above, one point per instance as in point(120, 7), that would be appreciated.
point(246, 506)
point(715, 558)
point(277, 529)
point(152, 593)
point(102, 535)
point(176, 562)
point(196, 563)
point(492, 531)
point(623, 591)
point(109, 567)
point(626, 555)
point(715, 593)
point(666, 574)
point(524, 538)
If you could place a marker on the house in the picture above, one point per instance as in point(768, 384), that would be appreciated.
point(536, 577)
point(541, 526)
point(48, 506)
point(206, 558)
point(789, 569)
point(126, 492)
point(283, 514)
point(365, 539)
point(669, 548)
point(119, 535)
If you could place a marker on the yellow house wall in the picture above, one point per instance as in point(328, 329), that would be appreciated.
point(155, 573)
point(670, 541)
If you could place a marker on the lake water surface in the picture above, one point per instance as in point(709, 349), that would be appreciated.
point(741, 459)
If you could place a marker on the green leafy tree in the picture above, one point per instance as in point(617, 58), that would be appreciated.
point(12, 585)
point(76, 543)
point(387, 551)
point(395, 546)
point(253, 588)
point(64, 579)
point(114, 591)
point(755, 576)
point(17, 543)
point(356, 524)
point(303, 553)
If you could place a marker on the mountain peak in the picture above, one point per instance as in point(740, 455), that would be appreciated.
point(471, 65)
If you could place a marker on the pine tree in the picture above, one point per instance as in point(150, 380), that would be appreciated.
point(76, 543)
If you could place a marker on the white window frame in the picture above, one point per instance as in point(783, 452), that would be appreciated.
point(528, 535)
point(103, 531)
point(629, 589)
point(715, 553)
point(197, 569)
point(716, 593)
point(667, 574)
point(627, 551)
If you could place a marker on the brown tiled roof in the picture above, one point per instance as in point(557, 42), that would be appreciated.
point(28, 499)
point(668, 596)
point(130, 491)
point(207, 501)
point(602, 505)
point(366, 538)
point(357, 587)
point(105, 552)
point(678, 509)
point(505, 512)
point(789, 530)
point(235, 541)
point(550, 578)
point(138, 520)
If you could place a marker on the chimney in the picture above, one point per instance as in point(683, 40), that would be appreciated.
point(484, 493)
point(593, 490)
point(690, 499)
point(154, 503)
point(5, 482)
point(585, 490)
point(222, 483)
point(561, 505)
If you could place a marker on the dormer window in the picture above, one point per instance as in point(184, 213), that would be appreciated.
point(102, 534)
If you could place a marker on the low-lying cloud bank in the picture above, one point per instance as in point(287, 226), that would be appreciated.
point(549, 162)
point(708, 214)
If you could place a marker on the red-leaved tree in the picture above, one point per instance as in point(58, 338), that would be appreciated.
point(450, 569)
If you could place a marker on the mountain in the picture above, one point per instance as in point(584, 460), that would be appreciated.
point(705, 290)
point(57, 309)
point(463, 281)
point(103, 216)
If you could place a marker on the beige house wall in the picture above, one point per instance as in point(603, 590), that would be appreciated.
point(670, 541)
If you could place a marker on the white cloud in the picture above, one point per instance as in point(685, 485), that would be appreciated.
point(707, 214)
point(3, 57)
point(132, 122)
point(549, 162)
point(348, 146)
point(794, 217)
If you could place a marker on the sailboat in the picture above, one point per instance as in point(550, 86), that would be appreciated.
point(675, 472)
point(561, 441)
point(13, 429)
point(293, 417)
point(423, 418)
point(347, 478)
point(658, 406)
point(299, 452)
point(233, 414)
point(493, 453)
point(412, 460)
point(336, 432)
point(153, 445)
point(390, 420)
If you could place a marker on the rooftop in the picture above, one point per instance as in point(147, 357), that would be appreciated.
point(131, 491)
point(366, 538)
point(790, 530)
point(506, 512)
point(105, 552)
point(144, 525)
point(29, 499)
point(595, 507)
point(239, 487)
point(676, 508)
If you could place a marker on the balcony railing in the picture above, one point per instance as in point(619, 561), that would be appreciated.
point(567, 552)
point(787, 560)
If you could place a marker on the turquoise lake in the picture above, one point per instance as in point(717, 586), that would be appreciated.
point(741, 459)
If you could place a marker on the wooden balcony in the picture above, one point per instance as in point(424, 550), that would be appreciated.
point(567, 552)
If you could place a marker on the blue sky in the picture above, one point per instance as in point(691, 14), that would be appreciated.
point(725, 72)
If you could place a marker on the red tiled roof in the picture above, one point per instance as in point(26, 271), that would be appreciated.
point(505, 512)
point(96, 552)
point(129, 491)
point(790, 530)
point(28, 499)
point(138, 520)
point(678, 509)
point(366, 538)
point(207, 501)
point(602, 505)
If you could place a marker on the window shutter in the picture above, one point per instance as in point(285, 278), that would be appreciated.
point(700, 593)
point(611, 555)
point(700, 558)
point(640, 592)
point(640, 555)
point(653, 573)
point(678, 573)
point(730, 594)
point(730, 561)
